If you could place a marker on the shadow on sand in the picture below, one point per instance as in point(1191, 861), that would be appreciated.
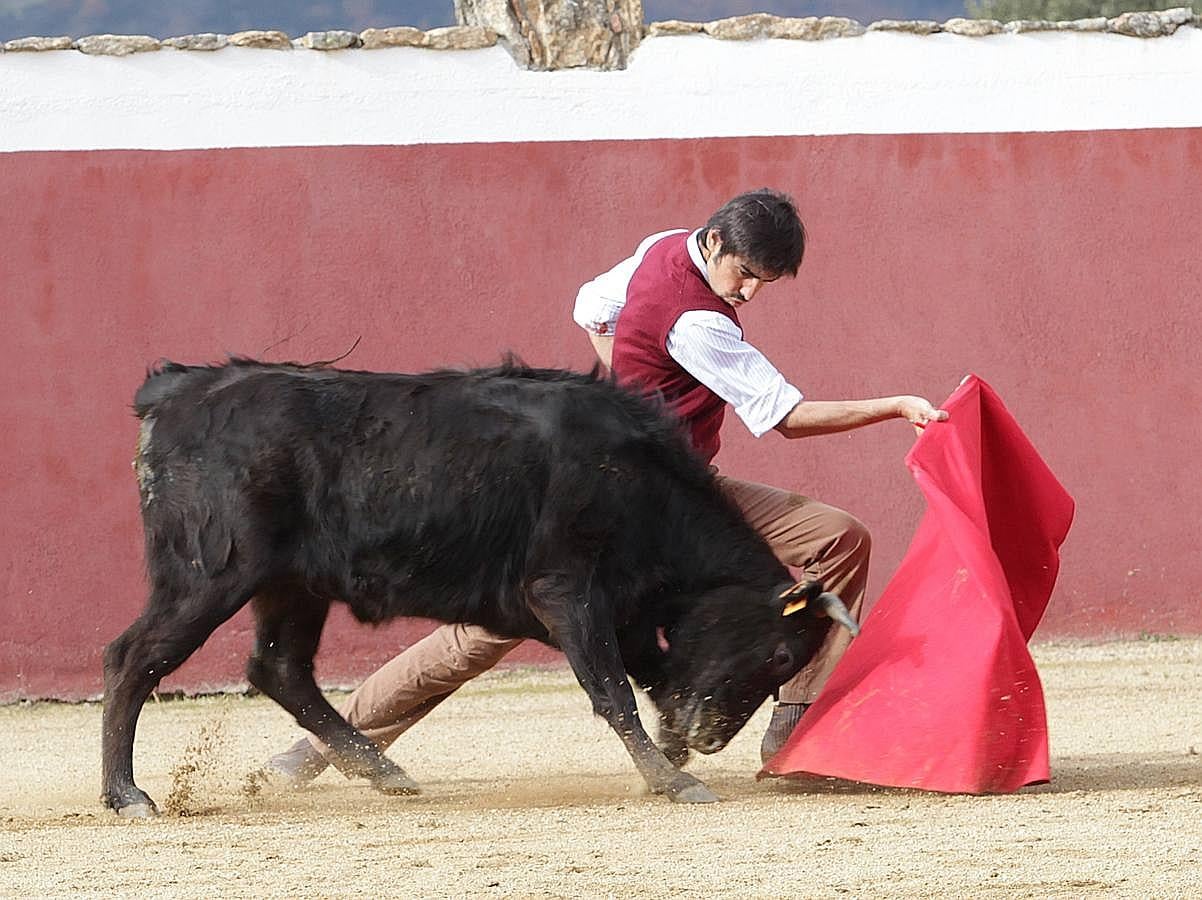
point(1094, 773)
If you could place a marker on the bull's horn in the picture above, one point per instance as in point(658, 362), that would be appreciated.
point(833, 607)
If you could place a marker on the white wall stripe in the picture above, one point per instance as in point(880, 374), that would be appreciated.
point(676, 87)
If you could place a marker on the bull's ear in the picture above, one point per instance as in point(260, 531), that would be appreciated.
point(795, 597)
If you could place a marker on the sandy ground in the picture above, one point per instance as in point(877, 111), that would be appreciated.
point(527, 795)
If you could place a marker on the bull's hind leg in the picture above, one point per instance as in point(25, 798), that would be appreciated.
point(585, 632)
point(289, 629)
point(154, 646)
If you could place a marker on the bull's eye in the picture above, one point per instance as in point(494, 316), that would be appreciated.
point(782, 659)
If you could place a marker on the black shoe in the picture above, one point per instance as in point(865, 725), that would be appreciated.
point(785, 717)
point(298, 765)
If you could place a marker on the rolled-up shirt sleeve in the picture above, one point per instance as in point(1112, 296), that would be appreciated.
point(710, 347)
point(600, 301)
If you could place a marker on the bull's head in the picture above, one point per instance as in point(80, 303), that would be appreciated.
point(730, 650)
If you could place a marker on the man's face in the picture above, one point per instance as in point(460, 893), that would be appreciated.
point(731, 277)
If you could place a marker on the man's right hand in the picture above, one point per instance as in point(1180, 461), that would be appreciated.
point(919, 412)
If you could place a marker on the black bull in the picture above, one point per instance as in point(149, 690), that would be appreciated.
point(537, 503)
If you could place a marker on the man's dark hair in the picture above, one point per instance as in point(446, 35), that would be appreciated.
point(764, 229)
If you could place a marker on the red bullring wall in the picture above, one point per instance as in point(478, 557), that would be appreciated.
point(1059, 265)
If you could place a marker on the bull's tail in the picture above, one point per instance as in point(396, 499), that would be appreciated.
point(162, 380)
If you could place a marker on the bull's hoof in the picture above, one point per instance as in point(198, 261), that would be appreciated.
point(687, 789)
point(694, 793)
point(138, 811)
point(130, 803)
point(396, 783)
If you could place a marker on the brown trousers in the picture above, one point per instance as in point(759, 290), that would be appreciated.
point(817, 540)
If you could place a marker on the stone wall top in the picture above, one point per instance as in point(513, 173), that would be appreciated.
point(756, 26)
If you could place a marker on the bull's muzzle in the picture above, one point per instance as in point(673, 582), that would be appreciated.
point(704, 731)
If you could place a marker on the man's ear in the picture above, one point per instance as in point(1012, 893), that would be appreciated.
point(713, 242)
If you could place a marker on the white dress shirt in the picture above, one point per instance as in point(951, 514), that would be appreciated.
point(708, 345)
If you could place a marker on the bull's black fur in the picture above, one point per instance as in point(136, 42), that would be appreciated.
point(535, 502)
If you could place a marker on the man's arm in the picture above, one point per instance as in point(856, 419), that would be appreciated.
point(811, 417)
point(603, 346)
point(599, 302)
point(712, 349)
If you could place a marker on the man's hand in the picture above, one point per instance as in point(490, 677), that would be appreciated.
point(919, 412)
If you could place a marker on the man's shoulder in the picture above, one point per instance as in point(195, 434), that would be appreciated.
point(665, 253)
point(708, 321)
point(655, 246)
point(649, 241)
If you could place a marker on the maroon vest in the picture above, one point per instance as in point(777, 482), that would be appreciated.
point(664, 286)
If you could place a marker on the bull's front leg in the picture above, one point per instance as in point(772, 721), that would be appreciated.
point(644, 659)
point(672, 743)
point(581, 622)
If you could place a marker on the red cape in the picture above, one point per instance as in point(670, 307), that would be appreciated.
point(939, 691)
